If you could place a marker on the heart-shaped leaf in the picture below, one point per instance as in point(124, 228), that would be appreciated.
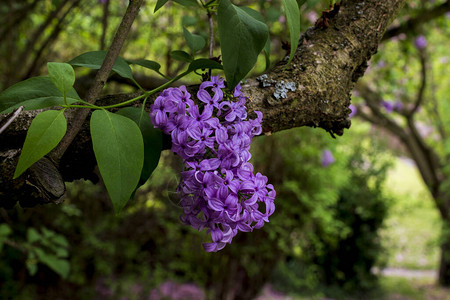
point(94, 60)
point(34, 93)
point(152, 140)
point(45, 132)
point(119, 150)
point(242, 37)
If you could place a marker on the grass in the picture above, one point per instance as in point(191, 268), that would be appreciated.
point(413, 225)
point(391, 288)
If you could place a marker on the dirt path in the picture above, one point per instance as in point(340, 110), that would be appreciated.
point(407, 273)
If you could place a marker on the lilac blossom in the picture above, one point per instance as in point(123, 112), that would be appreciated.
point(388, 106)
point(218, 189)
point(398, 105)
point(327, 158)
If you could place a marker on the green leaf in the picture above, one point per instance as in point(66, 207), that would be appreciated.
point(181, 56)
point(62, 76)
point(60, 266)
point(260, 18)
point(94, 60)
point(34, 93)
point(31, 266)
point(60, 240)
point(189, 20)
point(46, 131)
point(242, 37)
point(152, 140)
point(195, 42)
point(293, 20)
point(5, 230)
point(61, 252)
point(204, 63)
point(273, 14)
point(33, 235)
point(149, 64)
point(119, 150)
point(187, 3)
point(159, 4)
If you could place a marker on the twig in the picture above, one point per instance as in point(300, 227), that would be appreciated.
point(48, 41)
point(423, 84)
point(211, 35)
point(30, 46)
point(100, 78)
point(15, 114)
point(413, 23)
point(104, 24)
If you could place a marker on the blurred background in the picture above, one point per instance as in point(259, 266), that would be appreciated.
point(357, 217)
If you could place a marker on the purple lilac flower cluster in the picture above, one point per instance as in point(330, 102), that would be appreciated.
point(218, 189)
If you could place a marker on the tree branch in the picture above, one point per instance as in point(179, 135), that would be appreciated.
point(414, 23)
point(100, 78)
point(423, 84)
point(314, 90)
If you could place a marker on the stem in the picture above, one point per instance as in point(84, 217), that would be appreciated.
point(211, 38)
point(100, 78)
point(13, 117)
point(211, 34)
point(146, 95)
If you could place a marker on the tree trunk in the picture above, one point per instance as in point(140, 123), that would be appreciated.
point(444, 264)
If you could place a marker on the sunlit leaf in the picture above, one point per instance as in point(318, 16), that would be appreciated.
point(34, 93)
point(45, 132)
point(62, 76)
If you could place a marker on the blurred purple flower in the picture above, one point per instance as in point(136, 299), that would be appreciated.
point(312, 16)
point(420, 42)
point(327, 158)
point(175, 291)
point(354, 111)
point(388, 106)
point(398, 105)
point(381, 64)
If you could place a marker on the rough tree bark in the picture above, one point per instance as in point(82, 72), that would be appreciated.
point(314, 90)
